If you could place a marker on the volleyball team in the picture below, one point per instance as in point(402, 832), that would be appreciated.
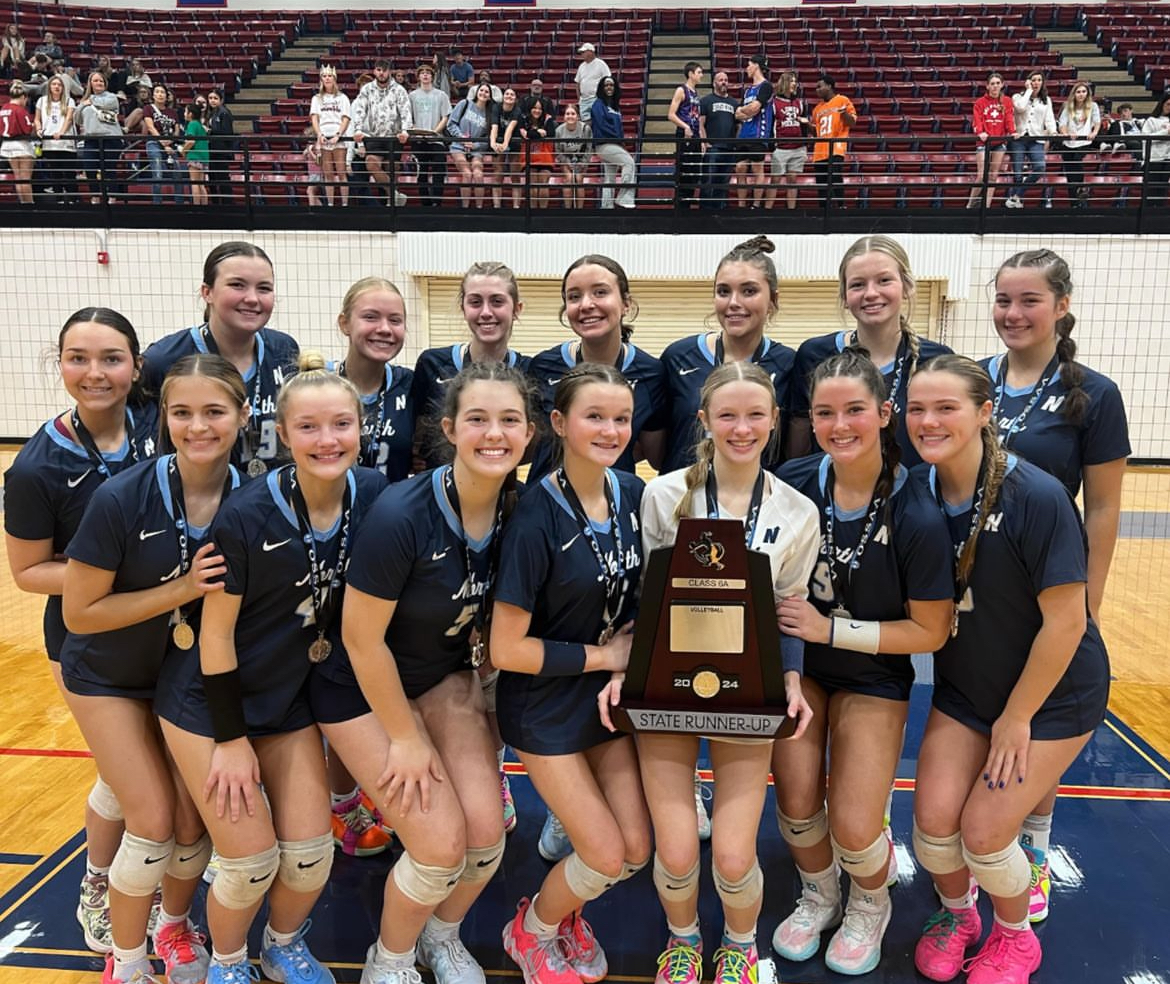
point(274, 640)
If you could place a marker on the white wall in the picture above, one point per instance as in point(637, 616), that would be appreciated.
point(153, 278)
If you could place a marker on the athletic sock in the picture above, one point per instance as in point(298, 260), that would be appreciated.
point(440, 929)
point(273, 938)
point(1035, 834)
point(964, 901)
point(227, 959)
point(827, 883)
point(388, 958)
point(126, 962)
point(740, 940)
point(166, 919)
point(336, 799)
point(1014, 927)
point(689, 935)
point(538, 927)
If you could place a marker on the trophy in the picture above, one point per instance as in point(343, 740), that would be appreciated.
point(705, 659)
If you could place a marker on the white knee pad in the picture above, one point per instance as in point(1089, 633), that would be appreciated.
point(868, 861)
point(103, 802)
point(483, 862)
point(1005, 873)
point(305, 865)
point(426, 884)
point(583, 881)
point(189, 860)
point(938, 855)
point(744, 893)
point(242, 882)
point(488, 686)
point(629, 869)
point(675, 888)
point(139, 865)
point(804, 833)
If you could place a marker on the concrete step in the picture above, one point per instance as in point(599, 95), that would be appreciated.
point(677, 40)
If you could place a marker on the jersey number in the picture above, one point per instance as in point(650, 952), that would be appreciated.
point(822, 584)
point(268, 441)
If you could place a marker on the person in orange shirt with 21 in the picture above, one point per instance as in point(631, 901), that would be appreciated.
point(831, 117)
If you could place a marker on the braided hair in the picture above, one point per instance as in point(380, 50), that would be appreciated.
point(755, 252)
point(1059, 279)
point(895, 251)
point(571, 383)
point(729, 372)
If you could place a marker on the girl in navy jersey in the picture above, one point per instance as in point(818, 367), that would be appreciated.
point(595, 304)
point(239, 715)
point(238, 292)
point(746, 299)
point(46, 491)
point(1019, 687)
point(1070, 421)
point(565, 597)
point(138, 566)
point(489, 300)
point(877, 288)
point(417, 730)
point(881, 591)
point(739, 414)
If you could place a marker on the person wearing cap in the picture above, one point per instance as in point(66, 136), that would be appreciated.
point(755, 125)
point(589, 74)
point(536, 95)
point(381, 117)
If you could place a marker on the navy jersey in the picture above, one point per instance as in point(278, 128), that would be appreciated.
point(388, 424)
point(548, 568)
point(49, 484)
point(411, 552)
point(130, 528)
point(642, 371)
point(1032, 540)
point(814, 351)
point(435, 368)
point(686, 365)
point(1045, 438)
point(276, 359)
point(908, 555)
point(257, 533)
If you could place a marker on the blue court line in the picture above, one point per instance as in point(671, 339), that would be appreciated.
point(19, 858)
point(40, 872)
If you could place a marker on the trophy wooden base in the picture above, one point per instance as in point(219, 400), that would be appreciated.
point(763, 723)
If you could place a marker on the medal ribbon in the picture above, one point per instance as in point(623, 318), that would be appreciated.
point(962, 582)
point(372, 423)
point(753, 515)
point(899, 367)
point(85, 439)
point(253, 426)
point(1019, 421)
point(840, 591)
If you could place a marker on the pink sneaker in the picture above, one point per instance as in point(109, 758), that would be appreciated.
point(1010, 956)
point(944, 942)
point(181, 948)
point(540, 961)
point(736, 965)
point(680, 963)
point(582, 950)
point(1038, 892)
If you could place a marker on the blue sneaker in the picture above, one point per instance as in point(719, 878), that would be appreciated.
point(294, 964)
point(554, 843)
point(237, 973)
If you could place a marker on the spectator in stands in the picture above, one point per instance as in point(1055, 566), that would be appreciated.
point(138, 108)
point(1124, 126)
point(574, 150)
point(617, 166)
point(11, 49)
point(58, 135)
point(400, 77)
point(194, 151)
point(790, 114)
point(684, 114)
point(537, 132)
point(461, 75)
point(73, 85)
point(201, 101)
point(329, 115)
point(536, 94)
point(442, 73)
point(49, 48)
point(589, 75)
point(485, 78)
point(1158, 124)
point(118, 77)
point(18, 126)
point(359, 177)
point(717, 128)
point(102, 147)
point(103, 64)
point(506, 144)
point(1034, 122)
point(137, 77)
point(993, 121)
point(755, 124)
point(382, 119)
point(431, 108)
point(832, 117)
point(221, 127)
point(470, 125)
point(160, 126)
point(1080, 122)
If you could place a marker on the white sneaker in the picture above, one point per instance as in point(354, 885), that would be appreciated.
point(1013, 201)
point(702, 793)
point(448, 959)
point(375, 973)
point(856, 947)
point(799, 936)
point(400, 199)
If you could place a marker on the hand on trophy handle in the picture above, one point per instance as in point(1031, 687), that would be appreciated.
point(610, 696)
point(799, 618)
point(798, 707)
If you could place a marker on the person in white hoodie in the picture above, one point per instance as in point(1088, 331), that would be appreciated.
point(1158, 124)
point(1035, 121)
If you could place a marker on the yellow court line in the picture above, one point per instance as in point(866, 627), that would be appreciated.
point(1162, 772)
point(19, 902)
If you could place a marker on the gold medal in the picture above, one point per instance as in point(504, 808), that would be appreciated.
point(606, 635)
point(320, 649)
point(840, 612)
point(256, 468)
point(183, 635)
point(705, 683)
point(478, 649)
